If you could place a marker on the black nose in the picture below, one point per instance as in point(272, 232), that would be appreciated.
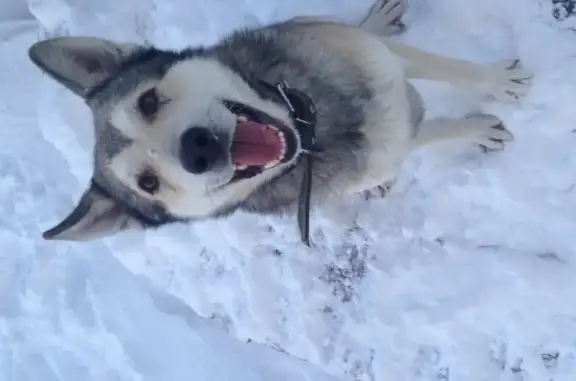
point(199, 150)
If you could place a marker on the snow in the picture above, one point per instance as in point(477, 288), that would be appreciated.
point(464, 272)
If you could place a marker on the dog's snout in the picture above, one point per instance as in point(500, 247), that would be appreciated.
point(199, 150)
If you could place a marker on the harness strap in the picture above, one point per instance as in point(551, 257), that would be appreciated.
point(303, 114)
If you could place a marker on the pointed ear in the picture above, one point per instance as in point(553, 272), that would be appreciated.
point(95, 216)
point(79, 63)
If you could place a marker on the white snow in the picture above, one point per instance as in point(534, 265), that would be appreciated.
point(465, 272)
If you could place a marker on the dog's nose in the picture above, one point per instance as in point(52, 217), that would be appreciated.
point(199, 150)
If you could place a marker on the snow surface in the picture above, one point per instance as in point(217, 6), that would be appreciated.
point(464, 272)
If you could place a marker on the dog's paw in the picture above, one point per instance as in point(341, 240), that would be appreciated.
point(377, 192)
point(488, 131)
point(508, 80)
point(384, 17)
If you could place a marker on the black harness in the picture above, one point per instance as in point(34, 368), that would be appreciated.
point(303, 114)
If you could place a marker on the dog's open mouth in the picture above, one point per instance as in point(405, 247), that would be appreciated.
point(260, 142)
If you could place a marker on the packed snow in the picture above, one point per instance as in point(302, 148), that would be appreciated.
point(464, 272)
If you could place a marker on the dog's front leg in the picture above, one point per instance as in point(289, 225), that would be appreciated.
point(503, 80)
point(483, 129)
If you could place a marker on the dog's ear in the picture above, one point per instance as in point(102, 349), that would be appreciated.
point(79, 63)
point(95, 216)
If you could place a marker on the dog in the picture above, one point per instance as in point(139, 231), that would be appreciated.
point(184, 136)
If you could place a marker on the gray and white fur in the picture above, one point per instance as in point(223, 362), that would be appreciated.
point(369, 117)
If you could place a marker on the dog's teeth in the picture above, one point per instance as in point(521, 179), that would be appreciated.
point(272, 164)
point(242, 119)
point(283, 141)
point(275, 129)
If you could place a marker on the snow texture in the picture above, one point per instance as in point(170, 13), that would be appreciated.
point(465, 272)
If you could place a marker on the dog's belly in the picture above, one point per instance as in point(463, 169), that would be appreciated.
point(388, 126)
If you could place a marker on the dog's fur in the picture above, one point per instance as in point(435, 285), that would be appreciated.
point(369, 117)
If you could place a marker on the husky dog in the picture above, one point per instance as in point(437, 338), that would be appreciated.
point(195, 134)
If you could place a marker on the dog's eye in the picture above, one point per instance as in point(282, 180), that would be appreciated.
point(149, 182)
point(149, 103)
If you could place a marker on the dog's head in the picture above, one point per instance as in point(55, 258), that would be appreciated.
point(178, 135)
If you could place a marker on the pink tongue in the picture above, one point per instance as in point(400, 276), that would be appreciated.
point(255, 144)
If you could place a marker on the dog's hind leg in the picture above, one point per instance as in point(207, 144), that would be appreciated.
point(379, 191)
point(483, 129)
point(503, 80)
point(383, 18)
